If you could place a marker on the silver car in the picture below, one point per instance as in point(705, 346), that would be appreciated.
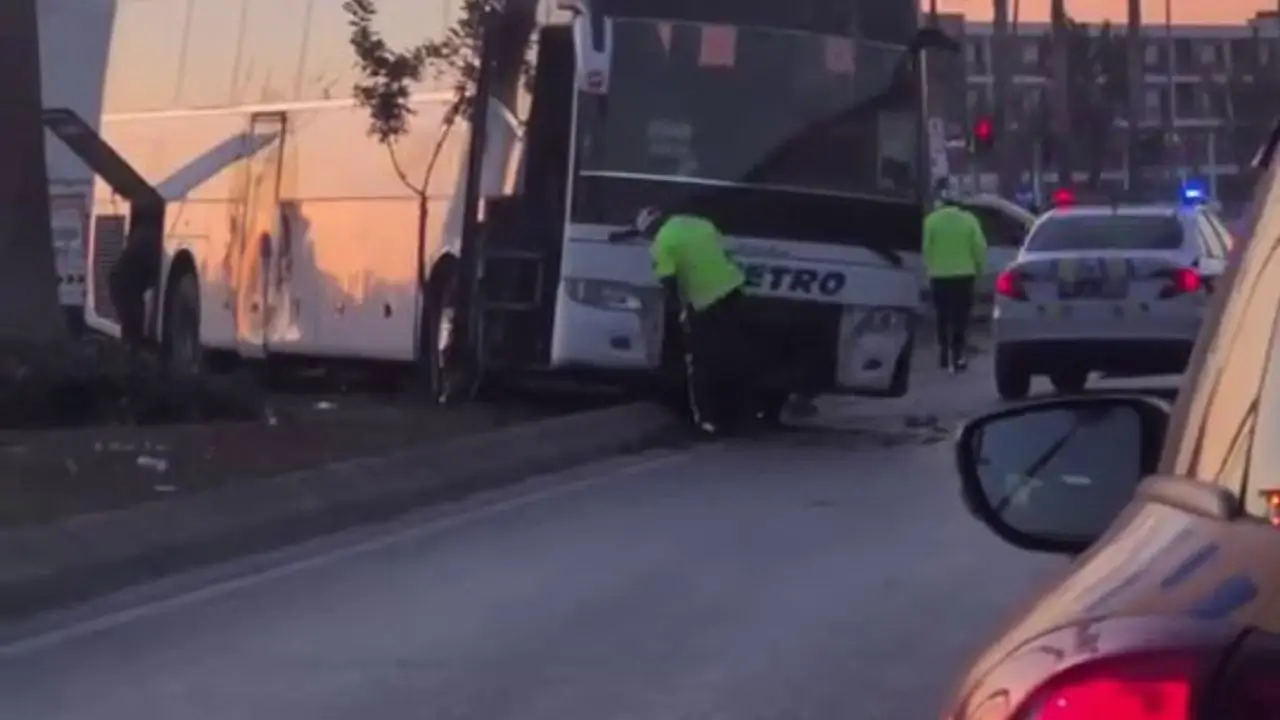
point(1117, 290)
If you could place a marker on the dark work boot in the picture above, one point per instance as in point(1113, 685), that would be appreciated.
point(944, 359)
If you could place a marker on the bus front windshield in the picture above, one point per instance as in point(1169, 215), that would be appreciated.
point(753, 107)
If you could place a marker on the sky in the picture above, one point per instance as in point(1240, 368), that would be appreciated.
point(1188, 11)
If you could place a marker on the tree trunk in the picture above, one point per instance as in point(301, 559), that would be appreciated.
point(29, 310)
point(1000, 91)
point(1134, 85)
point(1061, 94)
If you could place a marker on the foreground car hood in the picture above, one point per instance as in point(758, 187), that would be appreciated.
point(1157, 564)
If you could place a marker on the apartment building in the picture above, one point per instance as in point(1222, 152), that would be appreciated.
point(1192, 97)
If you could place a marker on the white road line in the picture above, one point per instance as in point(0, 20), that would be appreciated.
point(119, 618)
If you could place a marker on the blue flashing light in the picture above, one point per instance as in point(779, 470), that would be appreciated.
point(1194, 194)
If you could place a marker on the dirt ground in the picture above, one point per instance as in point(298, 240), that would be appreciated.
point(45, 476)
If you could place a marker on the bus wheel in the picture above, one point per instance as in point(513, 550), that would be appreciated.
point(900, 383)
point(436, 338)
point(182, 352)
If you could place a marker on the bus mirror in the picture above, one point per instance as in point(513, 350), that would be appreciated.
point(933, 38)
point(593, 44)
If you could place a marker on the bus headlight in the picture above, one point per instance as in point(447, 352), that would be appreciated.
point(604, 294)
point(878, 321)
point(871, 339)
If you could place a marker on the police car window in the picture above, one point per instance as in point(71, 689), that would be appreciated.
point(1210, 243)
point(1107, 232)
point(1001, 230)
point(1224, 233)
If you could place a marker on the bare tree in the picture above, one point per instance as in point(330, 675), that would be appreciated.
point(29, 310)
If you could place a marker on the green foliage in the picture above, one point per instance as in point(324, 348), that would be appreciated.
point(390, 74)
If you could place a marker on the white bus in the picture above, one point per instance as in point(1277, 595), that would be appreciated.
point(290, 233)
point(288, 229)
point(74, 35)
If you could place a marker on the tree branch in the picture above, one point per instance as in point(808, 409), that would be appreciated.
point(400, 173)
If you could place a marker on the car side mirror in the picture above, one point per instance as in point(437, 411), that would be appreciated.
point(1051, 476)
point(933, 38)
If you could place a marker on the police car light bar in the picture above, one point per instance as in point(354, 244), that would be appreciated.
point(1193, 193)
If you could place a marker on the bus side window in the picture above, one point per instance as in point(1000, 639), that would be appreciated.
point(1001, 230)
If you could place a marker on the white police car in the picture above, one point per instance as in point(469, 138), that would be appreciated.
point(1114, 289)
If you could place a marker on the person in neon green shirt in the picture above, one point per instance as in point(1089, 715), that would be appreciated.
point(698, 276)
point(955, 256)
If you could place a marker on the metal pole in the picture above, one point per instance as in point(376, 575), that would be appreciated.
point(1000, 91)
point(1061, 118)
point(1037, 189)
point(1133, 56)
point(1213, 165)
point(468, 357)
point(1172, 127)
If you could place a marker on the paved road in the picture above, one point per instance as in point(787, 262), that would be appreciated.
point(811, 576)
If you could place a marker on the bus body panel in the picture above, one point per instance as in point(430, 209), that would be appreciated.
point(74, 41)
point(303, 232)
point(610, 309)
point(339, 280)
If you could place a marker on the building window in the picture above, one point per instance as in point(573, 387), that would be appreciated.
point(1209, 53)
point(1031, 52)
point(1151, 54)
point(1182, 53)
point(1215, 101)
point(977, 52)
point(1184, 100)
point(1154, 106)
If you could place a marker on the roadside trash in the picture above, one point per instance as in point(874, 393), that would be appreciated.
point(153, 463)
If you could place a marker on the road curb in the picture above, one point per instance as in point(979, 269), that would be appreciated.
point(89, 556)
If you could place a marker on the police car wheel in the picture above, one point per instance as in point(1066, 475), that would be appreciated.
point(1013, 379)
point(1069, 381)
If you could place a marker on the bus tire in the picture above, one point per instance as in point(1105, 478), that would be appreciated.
point(437, 316)
point(181, 350)
point(1070, 381)
point(900, 383)
point(442, 383)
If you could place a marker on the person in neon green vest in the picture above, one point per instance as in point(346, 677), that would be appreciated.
point(955, 256)
point(693, 265)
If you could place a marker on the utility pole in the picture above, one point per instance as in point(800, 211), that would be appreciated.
point(466, 364)
point(1000, 91)
point(1135, 82)
point(29, 311)
point(1174, 142)
point(1061, 117)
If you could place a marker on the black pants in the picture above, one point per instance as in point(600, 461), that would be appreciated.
point(718, 360)
point(952, 305)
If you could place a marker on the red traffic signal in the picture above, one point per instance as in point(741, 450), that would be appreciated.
point(982, 130)
point(1063, 197)
point(984, 134)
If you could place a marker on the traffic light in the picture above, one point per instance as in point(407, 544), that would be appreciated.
point(1063, 197)
point(984, 135)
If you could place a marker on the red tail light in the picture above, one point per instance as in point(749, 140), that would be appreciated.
point(1181, 282)
point(1136, 687)
point(1009, 285)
